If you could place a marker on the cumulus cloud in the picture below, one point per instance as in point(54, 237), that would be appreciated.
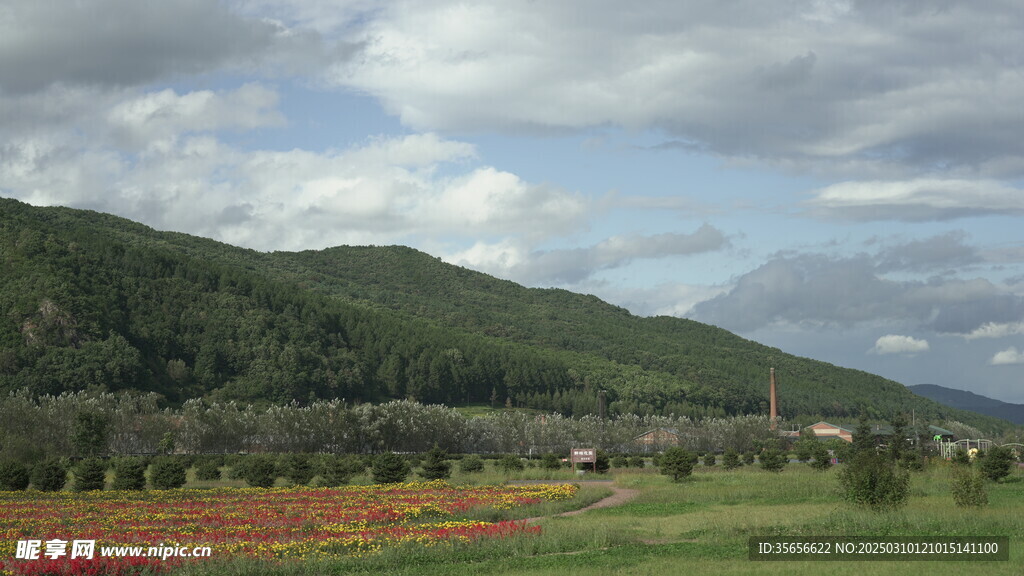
point(383, 191)
point(154, 116)
point(811, 82)
point(1009, 356)
point(896, 344)
point(916, 200)
point(996, 330)
point(570, 266)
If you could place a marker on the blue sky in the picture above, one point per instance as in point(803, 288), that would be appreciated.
point(839, 179)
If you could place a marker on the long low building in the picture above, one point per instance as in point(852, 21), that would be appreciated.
point(825, 431)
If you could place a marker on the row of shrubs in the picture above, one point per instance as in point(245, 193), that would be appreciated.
point(262, 470)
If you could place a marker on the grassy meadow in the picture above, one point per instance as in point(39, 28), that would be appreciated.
point(701, 525)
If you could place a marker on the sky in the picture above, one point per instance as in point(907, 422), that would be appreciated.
point(839, 179)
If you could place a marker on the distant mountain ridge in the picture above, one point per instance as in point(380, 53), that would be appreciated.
point(965, 400)
point(93, 301)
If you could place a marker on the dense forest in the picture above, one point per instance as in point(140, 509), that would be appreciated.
point(89, 301)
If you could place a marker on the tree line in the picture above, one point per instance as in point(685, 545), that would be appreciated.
point(87, 424)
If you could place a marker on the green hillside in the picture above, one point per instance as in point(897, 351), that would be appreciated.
point(92, 300)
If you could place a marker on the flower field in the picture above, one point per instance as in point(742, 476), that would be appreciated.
point(275, 523)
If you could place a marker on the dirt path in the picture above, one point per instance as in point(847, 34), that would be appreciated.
point(619, 497)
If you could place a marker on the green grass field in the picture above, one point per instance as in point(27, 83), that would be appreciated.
point(700, 526)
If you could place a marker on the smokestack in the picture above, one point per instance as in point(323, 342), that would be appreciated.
point(773, 402)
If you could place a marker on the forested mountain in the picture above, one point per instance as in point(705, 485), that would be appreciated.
point(92, 300)
point(970, 401)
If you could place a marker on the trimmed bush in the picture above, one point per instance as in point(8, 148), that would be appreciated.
point(601, 462)
point(748, 458)
point(471, 464)
point(637, 462)
point(13, 475)
point(510, 463)
point(710, 459)
point(551, 462)
point(677, 462)
point(620, 462)
point(90, 474)
point(389, 468)
point(167, 473)
point(49, 475)
point(129, 474)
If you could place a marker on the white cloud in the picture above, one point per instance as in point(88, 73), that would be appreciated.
point(515, 260)
point(1009, 356)
point(896, 344)
point(996, 330)
point(155, 116)
point(156, 157)
point(916, 200)
point(858, 83)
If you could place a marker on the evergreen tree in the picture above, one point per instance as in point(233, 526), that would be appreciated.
point(863, 437)
point(208, 469)
point(50, 475)
point(13, 475)
point(805, 445)
point(298, 469)
point(436, 466)
point(90, 474)
point(129, 474)
point(258, 470)
point(997, 463)
point(773, 460)
point(822, 460)
point(338, 470)
point(167, 473)
point(731, 460)
point(390, 468)
point(677, 462)
point(898, 443)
